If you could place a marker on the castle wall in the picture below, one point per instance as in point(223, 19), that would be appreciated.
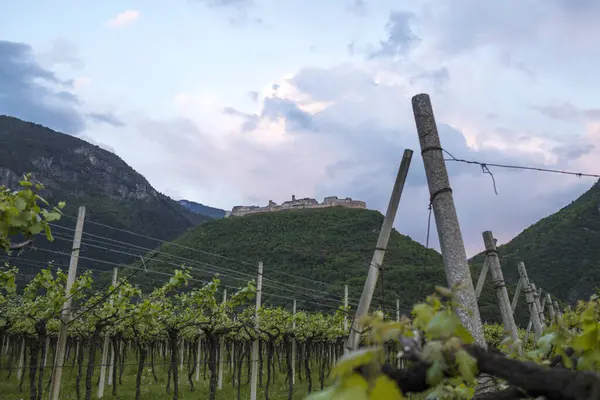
point(294, 204)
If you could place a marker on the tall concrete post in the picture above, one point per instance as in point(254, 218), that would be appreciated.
point(499, 285)
point(61, 344)
point(446, 220)
point(454, 255)
point(379, 253)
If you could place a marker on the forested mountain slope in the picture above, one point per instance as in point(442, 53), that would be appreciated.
point(301, 250)
point(561, 252)
point(80, 173)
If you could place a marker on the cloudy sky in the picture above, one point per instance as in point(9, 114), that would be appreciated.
point(230, 102)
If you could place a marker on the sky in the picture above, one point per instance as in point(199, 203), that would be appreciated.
point(238, 102)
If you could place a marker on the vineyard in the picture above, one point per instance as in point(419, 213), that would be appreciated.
point(186, 339)
point(175, 339)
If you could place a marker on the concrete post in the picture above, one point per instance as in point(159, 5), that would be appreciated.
point(454, 255)
point(294, 345)
point(529, 298)
point(199, 351)
point(557, 309)
point(515, 299)
point(379, 253)
point(499, 285)
point(254, 373)
point(346, 308)
point(450, 237)
point(105, 346)
point(222, 351)
point(540, 307)
point(59, 359)
point(481, 280)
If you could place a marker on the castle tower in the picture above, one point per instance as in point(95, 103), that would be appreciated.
point(293, 197)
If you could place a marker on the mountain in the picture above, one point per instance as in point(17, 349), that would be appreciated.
point(561, 252)
point(308, 255)
point(201, 209)
point(80, 173)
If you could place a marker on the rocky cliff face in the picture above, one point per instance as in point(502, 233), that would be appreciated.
point(82, 174)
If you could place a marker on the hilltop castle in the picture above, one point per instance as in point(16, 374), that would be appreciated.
point(294, 204)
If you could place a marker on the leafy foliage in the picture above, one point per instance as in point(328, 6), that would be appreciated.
point(22, 214)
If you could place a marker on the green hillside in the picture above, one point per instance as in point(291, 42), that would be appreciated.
point(82, 174)
point(561, 252)
point(332, 245)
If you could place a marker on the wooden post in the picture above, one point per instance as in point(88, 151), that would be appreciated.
point(379, 253)
point(105, 346)
point(446, 220)
point(222, 351)
point(59, 359)
point(254, 373)
point(529, 298)
point(499, 285)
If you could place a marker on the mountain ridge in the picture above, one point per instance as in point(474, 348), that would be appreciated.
point(561, 251)
point(202, 209)
point(83, 174)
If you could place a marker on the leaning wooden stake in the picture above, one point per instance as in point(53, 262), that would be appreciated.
point(379, 253)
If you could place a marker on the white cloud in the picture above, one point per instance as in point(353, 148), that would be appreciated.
point(341, 130)
point(82, 82)
point(123, 19)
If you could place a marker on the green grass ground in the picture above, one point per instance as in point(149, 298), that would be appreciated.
point(151, 390)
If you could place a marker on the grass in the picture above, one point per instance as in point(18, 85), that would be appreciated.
point(151, 390)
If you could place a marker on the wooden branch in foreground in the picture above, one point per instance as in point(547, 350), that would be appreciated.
point(526, 379)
